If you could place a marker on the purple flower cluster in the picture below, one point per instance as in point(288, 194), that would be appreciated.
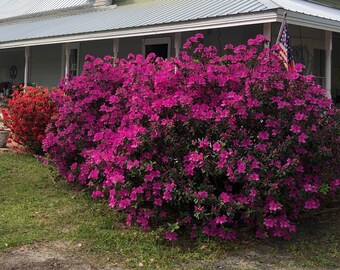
point(202, 144)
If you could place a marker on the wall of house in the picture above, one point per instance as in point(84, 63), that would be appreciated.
point(216, 37)
point(222, 36)
point(130, 45)
point(98, 48)
point(134, 45)
point(46, 65)
point(9, 58)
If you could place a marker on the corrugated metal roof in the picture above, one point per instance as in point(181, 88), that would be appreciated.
point(128, 16)
point(15, 8)
point(310, 8)
point(147, 13)
point(329, 3)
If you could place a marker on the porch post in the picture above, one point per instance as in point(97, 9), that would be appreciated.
point(67, 58)
point(178, 43)
point(267, 32)
point(27, 58)
point(115, 47)
point(328, 62)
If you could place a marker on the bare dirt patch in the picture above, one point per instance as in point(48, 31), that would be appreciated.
point(51, 256)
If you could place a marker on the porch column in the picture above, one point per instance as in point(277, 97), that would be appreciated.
point(67, 58)
point(115, 47)
point(27, 58)
point(267, 32)
point(178, 43)
point(328, 62)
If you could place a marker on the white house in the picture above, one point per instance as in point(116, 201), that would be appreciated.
point(42, 40)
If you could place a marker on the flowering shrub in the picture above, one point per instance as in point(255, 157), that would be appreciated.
point(28, 113)
point(201, 143)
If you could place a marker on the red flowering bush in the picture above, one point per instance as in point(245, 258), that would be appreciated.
point(201, 143)
point(28, 113)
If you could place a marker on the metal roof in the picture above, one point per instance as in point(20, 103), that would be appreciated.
point(10, 8)
point(148, 14)
point(329, 3)
point(310, 8)
point(127, 16)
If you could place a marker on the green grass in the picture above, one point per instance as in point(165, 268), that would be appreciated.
point(37, 207)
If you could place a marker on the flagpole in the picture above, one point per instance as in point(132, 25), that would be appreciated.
point(281, 28)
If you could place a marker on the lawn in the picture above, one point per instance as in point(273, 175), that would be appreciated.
point(40, 209)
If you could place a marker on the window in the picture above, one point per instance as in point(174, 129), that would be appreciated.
point(73, 64)
point(160, 46)
point(320, 66)
point(72, 59)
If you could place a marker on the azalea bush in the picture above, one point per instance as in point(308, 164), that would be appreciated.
point(200, 144)
point(27, 115)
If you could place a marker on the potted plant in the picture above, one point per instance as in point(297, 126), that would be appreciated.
point(4, 132)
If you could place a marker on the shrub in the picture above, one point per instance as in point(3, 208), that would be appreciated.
point(28, 113)
point(200, 144)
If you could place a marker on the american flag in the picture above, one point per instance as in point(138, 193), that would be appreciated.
point(283, 41)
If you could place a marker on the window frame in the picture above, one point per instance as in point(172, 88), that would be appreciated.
point(157, 41)
point(66, 54)
point(74, 46)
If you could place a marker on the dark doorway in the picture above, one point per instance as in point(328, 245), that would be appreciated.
point(161, 50)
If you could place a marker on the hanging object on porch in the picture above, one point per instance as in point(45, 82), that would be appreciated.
point(13, 71)
point(283, 40)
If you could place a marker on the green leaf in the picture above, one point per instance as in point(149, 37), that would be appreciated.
point(324, 189)
point(173, 227)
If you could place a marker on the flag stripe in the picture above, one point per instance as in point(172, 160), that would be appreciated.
point(285, 49)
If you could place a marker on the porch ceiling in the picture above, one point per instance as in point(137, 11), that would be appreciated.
point(162, 16)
